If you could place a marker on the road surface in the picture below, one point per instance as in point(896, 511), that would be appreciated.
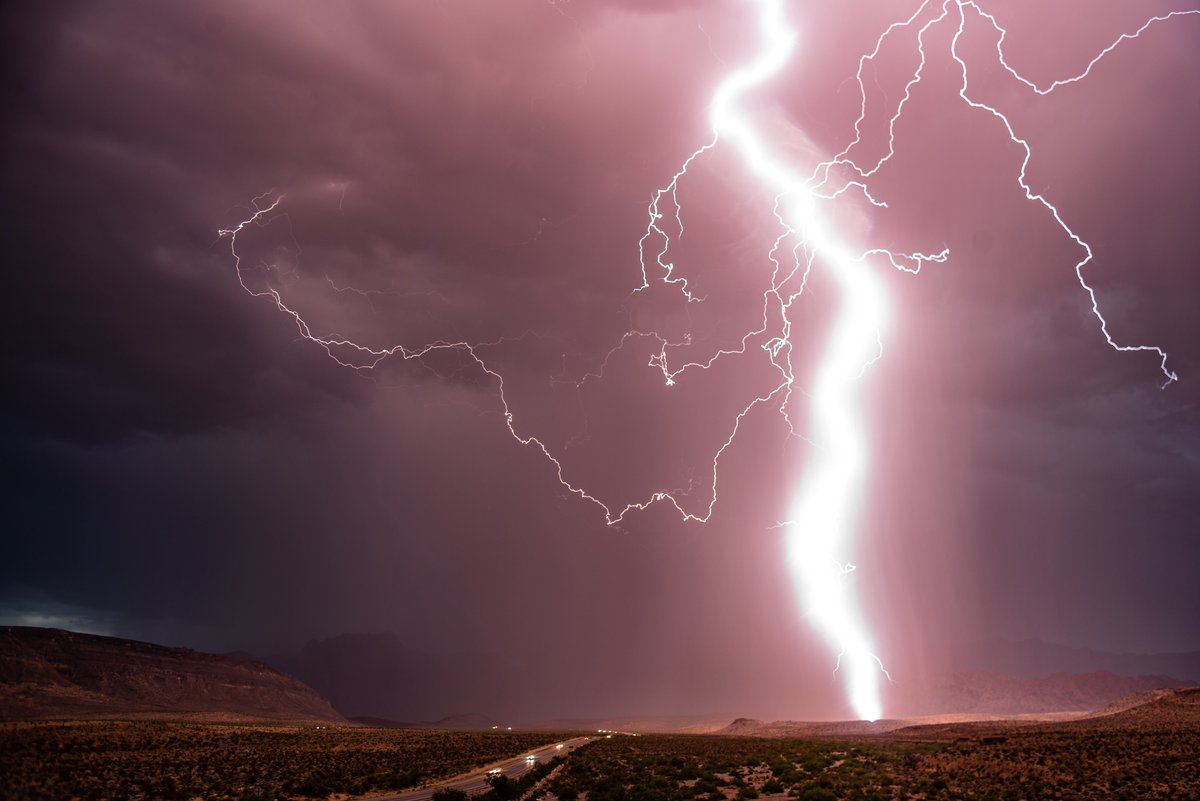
point(478, 781)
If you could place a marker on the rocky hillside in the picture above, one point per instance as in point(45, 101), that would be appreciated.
point(54, 674)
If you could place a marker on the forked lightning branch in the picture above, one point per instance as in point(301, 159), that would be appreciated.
point(820, 525)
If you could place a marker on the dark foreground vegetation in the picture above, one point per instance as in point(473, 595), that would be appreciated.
point(177, 761)
point(1010, 767)
point(502, 788)
point(157, 760)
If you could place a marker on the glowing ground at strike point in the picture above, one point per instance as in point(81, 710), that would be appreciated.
point(820, 525)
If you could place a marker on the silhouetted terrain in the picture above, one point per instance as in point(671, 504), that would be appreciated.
point(54, 674)
point(376, 675)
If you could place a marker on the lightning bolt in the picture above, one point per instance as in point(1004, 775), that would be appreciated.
point(820, 527)
point(962, 6)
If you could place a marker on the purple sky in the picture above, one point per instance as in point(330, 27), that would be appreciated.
point(183, 468)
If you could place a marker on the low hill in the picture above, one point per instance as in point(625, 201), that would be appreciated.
point(52, 674)
point(1174, 709)
point(968, 703)
point(751, 727)
point(993, 694)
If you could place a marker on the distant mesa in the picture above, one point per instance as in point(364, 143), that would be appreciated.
point(746, 726)
point(50, 674)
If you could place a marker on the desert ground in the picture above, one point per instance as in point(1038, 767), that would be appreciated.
point(1147, 747)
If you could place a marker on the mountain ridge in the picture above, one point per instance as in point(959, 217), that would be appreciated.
point(49, 674)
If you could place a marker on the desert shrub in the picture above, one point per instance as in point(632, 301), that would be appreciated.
point(173, 761)
point(815, 793)
point(450, 794)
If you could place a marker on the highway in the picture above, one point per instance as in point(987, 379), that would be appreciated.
point(478, 781)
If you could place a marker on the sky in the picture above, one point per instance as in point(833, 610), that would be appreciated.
point(184, 467)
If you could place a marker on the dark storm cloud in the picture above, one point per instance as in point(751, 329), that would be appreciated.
point(188, 470)
point(176, 460)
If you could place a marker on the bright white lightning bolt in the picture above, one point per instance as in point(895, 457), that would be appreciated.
point(821, 522)
point(818, 534)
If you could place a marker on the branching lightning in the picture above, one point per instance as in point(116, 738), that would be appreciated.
point(819, 530)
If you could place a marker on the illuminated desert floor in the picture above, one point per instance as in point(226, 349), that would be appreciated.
point(1149, 750)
